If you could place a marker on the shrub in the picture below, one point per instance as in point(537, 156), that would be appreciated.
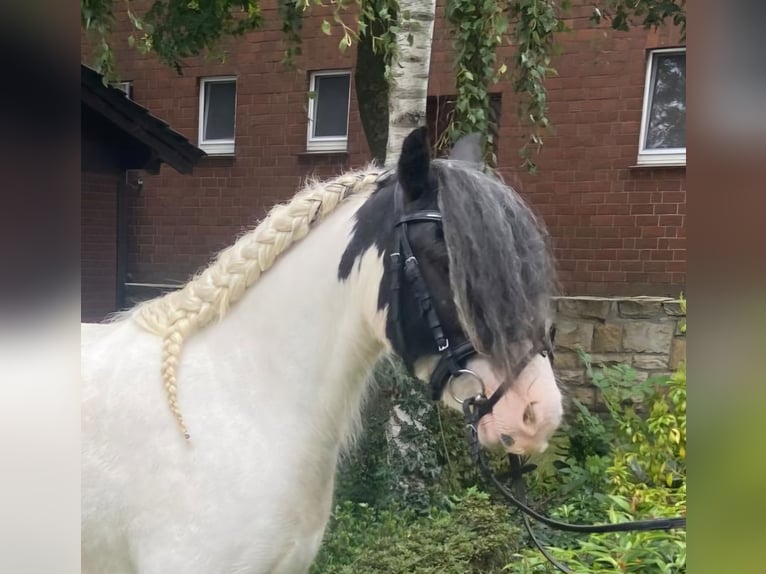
point(428, 462)
point(416, 509)
point(629, 466)
point(473, 536)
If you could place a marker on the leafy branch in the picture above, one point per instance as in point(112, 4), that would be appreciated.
point(477, 28)
point(480, 26)
point(177, 29)
point(172, 29)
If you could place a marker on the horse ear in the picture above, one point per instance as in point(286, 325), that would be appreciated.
point(467, 148)
point(414, 164)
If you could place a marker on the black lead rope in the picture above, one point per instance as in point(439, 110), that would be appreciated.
point(471, 410)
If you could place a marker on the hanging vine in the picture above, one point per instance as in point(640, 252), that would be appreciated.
point(376, 18)
point(177, 29)
point(537, 21)
point(478, 27)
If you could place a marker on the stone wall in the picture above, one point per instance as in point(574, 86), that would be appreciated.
point(644, 332)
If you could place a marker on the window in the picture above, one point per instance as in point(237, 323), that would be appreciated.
point(217, 105)
point(663, 125)
point(328, 111)
point(126, 87)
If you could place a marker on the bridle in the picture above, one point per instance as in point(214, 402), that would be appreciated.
point(452, 364)
point(452, 358)
point(403, 263)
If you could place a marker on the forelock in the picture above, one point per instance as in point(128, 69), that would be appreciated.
point(501, 269)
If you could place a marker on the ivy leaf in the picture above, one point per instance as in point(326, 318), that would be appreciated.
point(135, 21)
point(326, 27)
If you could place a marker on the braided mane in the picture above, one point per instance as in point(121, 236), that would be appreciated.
point(207, 296)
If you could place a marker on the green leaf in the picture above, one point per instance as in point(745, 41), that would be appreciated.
point(326, 27)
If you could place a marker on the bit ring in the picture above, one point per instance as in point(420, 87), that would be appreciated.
point(472, 374)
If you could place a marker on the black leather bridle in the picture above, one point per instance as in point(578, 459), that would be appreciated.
point(452, 357)
point(452, 364)
point(403, 264)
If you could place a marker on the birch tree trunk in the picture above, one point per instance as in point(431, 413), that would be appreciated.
point(409, 75)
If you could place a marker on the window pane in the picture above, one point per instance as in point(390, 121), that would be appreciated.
point(331, 106)
point(219, 110)
point(667, 111)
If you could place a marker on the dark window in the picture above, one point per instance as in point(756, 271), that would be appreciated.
point(666, 121)
point(218, 114)
point(330, 117)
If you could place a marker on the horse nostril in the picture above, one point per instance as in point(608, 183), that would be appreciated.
point(529, 414)
point(507, 440)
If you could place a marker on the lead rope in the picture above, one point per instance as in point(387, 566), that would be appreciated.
point(471, 411)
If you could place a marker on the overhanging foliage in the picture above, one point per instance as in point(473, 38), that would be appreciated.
point(179, 29)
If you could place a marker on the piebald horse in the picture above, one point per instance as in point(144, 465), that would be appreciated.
point(213, 416)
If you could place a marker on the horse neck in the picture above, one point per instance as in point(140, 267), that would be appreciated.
point(309, 336)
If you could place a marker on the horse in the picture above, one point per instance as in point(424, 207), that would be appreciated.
point(213, 416)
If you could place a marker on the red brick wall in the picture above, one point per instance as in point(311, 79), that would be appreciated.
point(616, 229)
point(98, 245)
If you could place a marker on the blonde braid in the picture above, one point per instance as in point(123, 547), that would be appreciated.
point(171, 349)
point(209, 295)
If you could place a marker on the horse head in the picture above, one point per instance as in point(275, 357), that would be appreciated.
point(467, 287)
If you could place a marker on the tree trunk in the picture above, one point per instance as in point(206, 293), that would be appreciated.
point(372, 92)
point(409, 76)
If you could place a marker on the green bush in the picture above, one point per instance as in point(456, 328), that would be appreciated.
point(430, 462)
point(473, 536)
point(629, 466)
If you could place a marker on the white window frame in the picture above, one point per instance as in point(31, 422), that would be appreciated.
point(667, 156)
point(326, 143)
point(219, 146)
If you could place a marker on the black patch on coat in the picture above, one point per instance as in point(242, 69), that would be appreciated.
point(374, 228)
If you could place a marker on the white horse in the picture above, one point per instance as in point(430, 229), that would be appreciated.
point(263, 358)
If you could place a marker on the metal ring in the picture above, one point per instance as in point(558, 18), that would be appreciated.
point(465, 372)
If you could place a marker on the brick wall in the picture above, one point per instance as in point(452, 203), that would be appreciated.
point(617, 229)
point(98, 245)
